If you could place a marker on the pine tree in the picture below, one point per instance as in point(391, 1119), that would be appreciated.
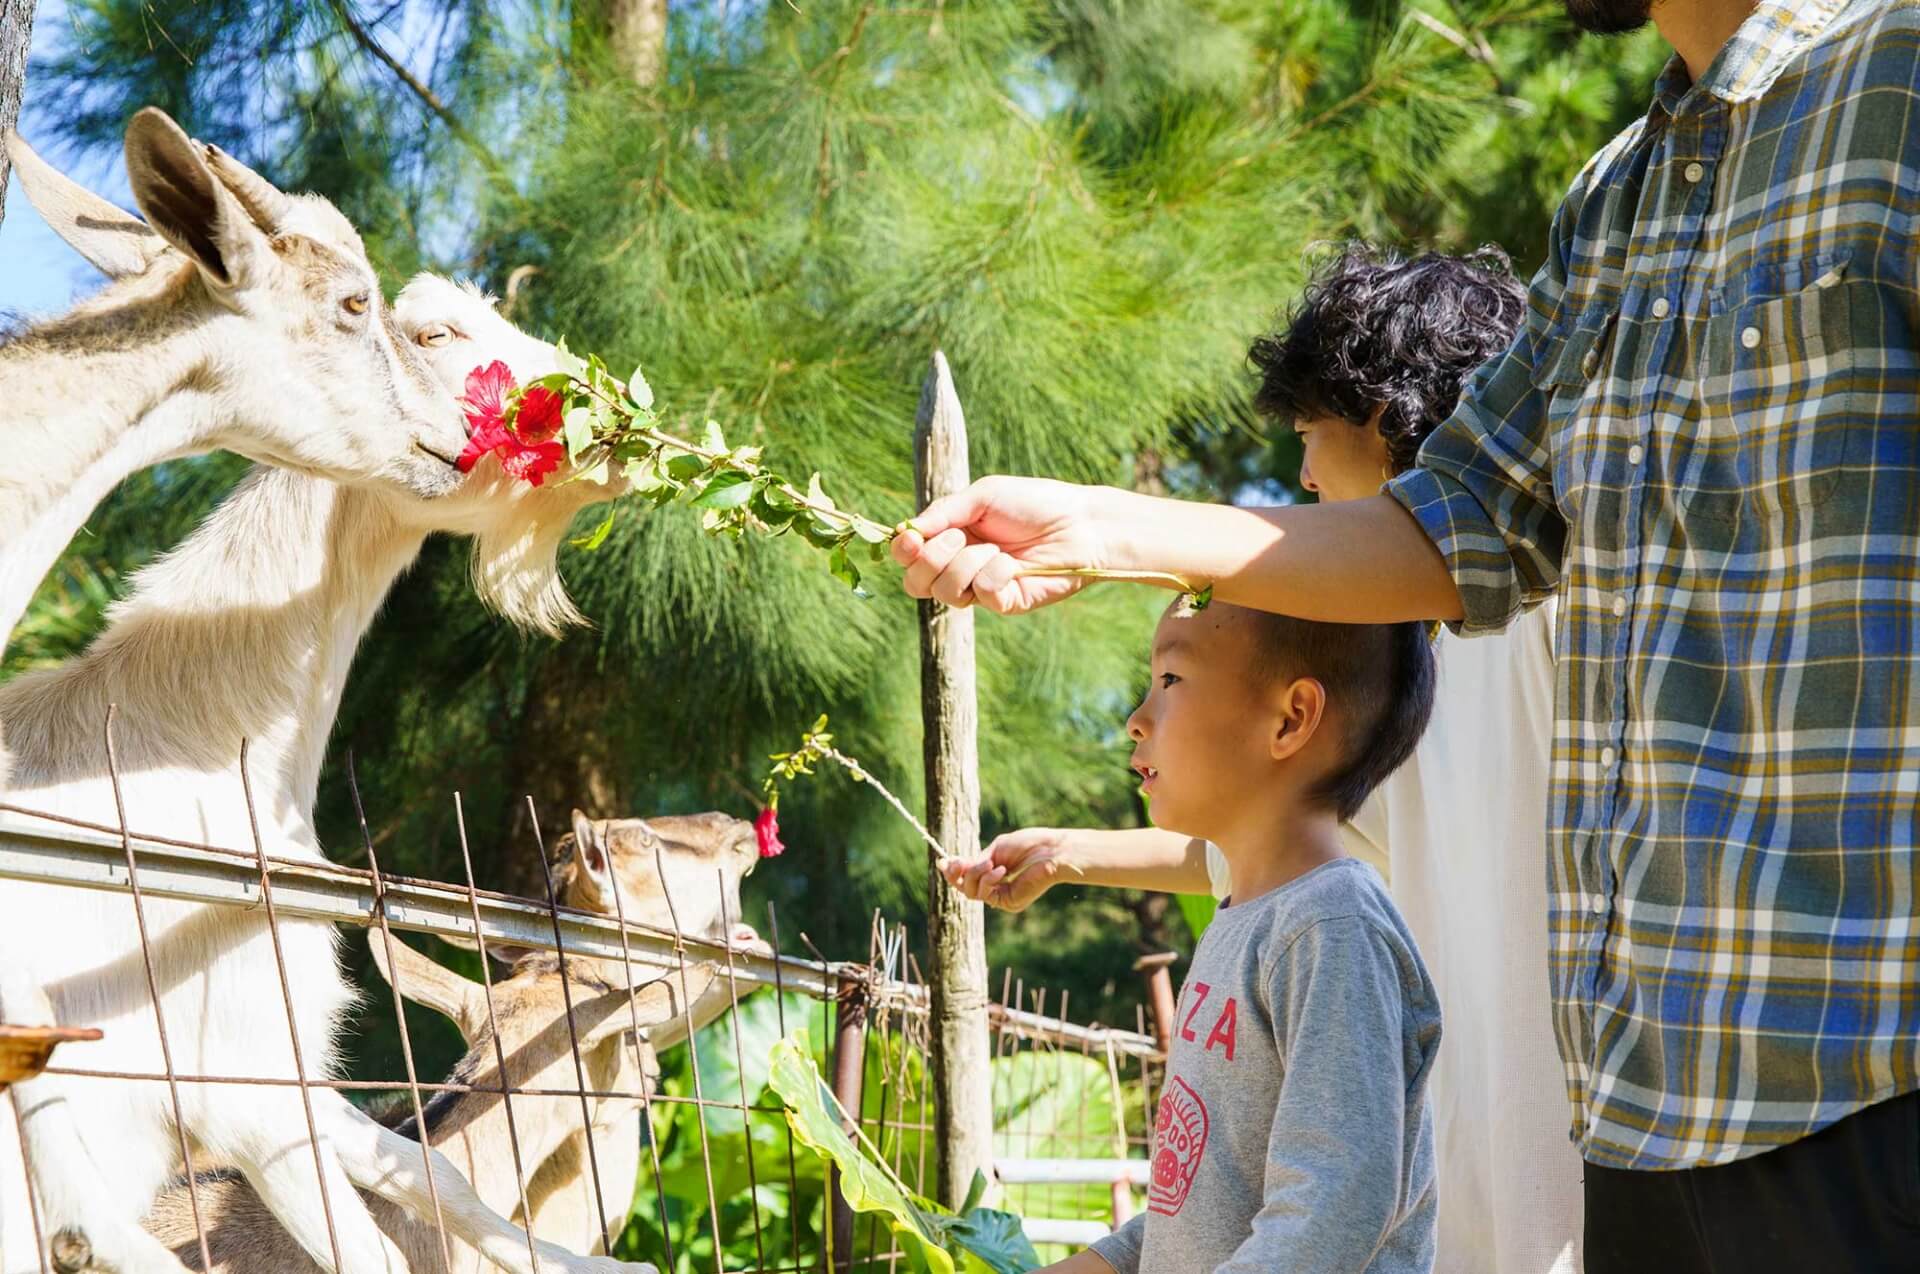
point(780, 211)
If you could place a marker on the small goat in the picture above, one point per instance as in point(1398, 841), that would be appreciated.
point(245, 632)
point(239, 317)
point(546, 1141)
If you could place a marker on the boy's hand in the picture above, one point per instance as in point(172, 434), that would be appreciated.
point(1016, 869)
point(970, 547)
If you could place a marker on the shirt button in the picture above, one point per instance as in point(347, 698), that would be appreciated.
point(1619, 607)
point(1694, 172)
point(1599, 904)
point(1591, 363)
point(1606, 758)
point(1750, 337)
point(1636, 453)
point(1662, 307)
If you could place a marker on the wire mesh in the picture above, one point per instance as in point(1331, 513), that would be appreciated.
point(679, 1155)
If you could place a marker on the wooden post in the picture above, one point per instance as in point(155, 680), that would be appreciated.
point(16, 33)
point(949, 707)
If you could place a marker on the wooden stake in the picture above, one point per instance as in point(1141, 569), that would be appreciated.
point(949, 705)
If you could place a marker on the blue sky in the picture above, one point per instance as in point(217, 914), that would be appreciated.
point(38, 273)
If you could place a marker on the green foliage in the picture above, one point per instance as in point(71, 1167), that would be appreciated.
point(1089, 205)
point(934, 1240)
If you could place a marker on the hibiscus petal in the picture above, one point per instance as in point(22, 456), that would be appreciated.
point(486, 396)
point(766, 830)
point(538, 418)
point(531, 464)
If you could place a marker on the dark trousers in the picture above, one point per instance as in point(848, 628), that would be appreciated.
point(1843, 1201)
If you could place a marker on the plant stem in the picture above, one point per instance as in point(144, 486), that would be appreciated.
point(860, 775)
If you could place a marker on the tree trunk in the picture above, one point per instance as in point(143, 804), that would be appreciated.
point(961, 1049)
point(16, 33)
point(637, 30)
point(562, 758)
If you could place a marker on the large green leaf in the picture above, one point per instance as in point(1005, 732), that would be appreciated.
point(867, 1187)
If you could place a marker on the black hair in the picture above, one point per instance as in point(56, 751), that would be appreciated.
point(1374, 332)
point(1379, 680)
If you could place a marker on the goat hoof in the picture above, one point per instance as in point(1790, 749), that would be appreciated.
point(71, 1252)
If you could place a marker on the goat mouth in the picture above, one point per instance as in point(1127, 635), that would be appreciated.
point(441, 456)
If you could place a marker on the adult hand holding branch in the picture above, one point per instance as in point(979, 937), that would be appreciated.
point(1000, 542)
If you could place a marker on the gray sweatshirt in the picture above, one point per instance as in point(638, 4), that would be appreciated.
point(1293, 1131)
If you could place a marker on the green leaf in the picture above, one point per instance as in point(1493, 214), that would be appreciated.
point(683, 467)
point(711, 438)
point(569, 364)
point(726, 491)
point(993, 1238)
point(599, 534)
point(843, 568)
point(577, 427)
point(639, 393)
point(814, 1117)
point(976, 1191)
point(817, 495)
point(871, 532)
point(1198, 910)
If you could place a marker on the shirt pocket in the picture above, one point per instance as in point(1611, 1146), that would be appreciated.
point(1776, 427)
point(1572, 378)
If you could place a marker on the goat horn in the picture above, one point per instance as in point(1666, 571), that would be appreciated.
point(265, 202)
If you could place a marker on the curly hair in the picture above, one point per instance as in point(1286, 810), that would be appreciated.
point(1375, 333)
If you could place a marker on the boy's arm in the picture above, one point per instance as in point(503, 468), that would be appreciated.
point(1336, 1176)
point(1020, 866)
point(1085, 1261)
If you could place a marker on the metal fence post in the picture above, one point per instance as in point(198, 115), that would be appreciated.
point(849, 1081)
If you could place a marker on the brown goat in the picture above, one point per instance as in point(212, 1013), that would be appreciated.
point(700, 860)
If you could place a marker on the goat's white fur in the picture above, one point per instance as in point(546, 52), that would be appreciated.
point(225, 327)
point(245, 631)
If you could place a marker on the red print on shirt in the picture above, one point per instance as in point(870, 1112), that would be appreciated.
point(1179, 1139)
point(1200, 990)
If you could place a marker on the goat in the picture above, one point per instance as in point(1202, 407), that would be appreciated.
point(239, 317)
point(546, 1141)
point(243, 633)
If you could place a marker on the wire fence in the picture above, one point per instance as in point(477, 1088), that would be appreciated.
point(614, 1096)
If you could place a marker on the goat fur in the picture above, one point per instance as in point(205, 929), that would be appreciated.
point(245, 632)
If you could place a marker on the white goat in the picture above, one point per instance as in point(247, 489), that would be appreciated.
point(243, 632)
point(240, 318)
point(546, 1140)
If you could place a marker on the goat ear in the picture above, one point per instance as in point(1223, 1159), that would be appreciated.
point(114, 242)
point(188, 205)
point(429, 984)
point(592, 858)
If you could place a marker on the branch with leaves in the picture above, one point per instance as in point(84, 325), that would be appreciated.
point(609, 431)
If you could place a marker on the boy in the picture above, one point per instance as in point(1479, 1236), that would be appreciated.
point(1293, 1132)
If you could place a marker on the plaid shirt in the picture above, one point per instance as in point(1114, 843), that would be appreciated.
point(1705, 439)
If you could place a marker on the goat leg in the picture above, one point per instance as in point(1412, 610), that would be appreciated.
point(385, 1163)
point(61, 1170)
point(278, 1162)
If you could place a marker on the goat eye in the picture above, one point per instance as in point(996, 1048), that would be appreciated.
point(432, 337)
point(357, 303)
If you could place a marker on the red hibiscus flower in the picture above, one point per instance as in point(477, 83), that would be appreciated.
point(538, 419)
point(766, 828)
point(528, 451)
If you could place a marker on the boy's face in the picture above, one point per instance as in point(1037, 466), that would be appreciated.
point(1341, 460)
point(1205, 735)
